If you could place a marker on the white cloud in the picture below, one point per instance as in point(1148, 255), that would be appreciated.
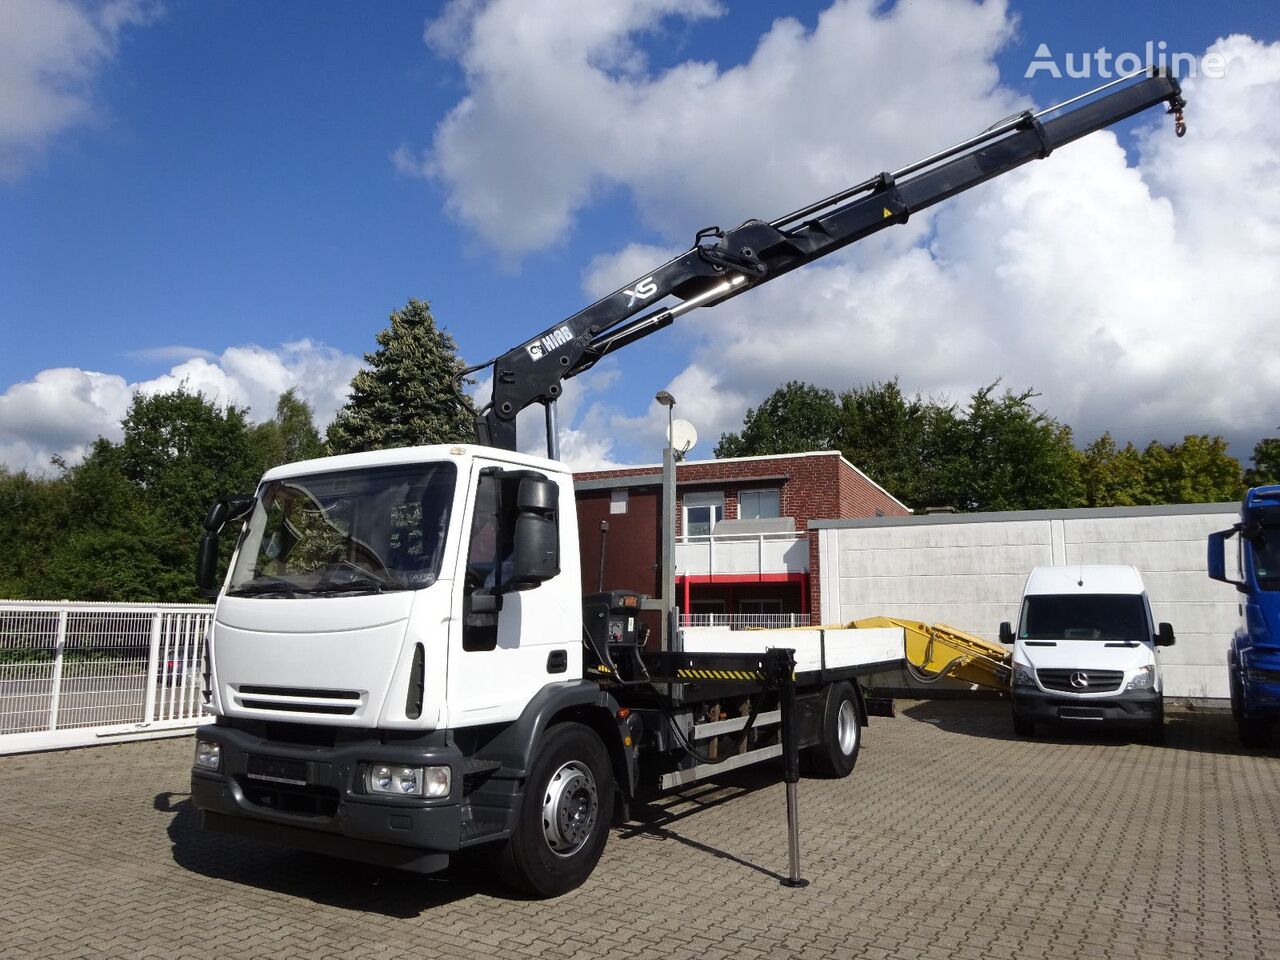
point(1132, 295)
point(61, 411)
point(50, 53)
point(811, 110)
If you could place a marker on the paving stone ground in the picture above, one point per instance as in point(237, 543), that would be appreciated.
point(951, 839)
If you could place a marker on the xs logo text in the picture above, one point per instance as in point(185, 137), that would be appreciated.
point(645, 289)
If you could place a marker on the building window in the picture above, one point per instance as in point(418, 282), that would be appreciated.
point(760, 608)
point(702, 511)
point(759, 504)
point(618, 501)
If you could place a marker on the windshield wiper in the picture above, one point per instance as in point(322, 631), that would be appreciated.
point(261, 586)
point(360, 581)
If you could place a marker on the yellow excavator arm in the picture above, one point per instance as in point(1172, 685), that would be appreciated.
point(937, 651)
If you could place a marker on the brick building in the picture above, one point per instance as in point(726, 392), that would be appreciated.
point(743, 547)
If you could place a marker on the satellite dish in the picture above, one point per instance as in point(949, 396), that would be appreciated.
point(683, 436)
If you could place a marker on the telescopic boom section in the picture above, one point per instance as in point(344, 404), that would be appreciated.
point(724, 263)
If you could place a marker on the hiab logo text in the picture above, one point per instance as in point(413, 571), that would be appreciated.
point(1102, 64)
point(548, 342)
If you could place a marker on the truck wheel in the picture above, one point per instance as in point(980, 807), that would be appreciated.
point(1237, 694)
point(564, 815)
point(1023, 726)
point(834, 756)
point(1253, 732)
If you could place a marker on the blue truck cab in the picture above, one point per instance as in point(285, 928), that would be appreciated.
point(1254, 657)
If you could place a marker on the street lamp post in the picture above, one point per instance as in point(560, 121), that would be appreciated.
point(669, 632)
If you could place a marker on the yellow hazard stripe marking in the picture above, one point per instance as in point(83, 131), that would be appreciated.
point(692, 674)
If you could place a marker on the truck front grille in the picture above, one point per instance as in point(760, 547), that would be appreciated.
point(1094, 681)
point(343, 703)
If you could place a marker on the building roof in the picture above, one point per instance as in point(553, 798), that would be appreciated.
point(1081, 513)
point(644, 474)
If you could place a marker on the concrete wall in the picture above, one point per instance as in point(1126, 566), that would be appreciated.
point(968, 571)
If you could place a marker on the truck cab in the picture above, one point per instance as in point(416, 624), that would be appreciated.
point(1084, 651)
point(1253, 659)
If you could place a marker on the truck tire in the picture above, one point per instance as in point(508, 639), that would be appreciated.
point(564, 816)
point(834, 756)
point(1023, 726)
point(1253, 732)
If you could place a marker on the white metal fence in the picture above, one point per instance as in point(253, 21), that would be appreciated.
point(745, 621)
point(73, 674)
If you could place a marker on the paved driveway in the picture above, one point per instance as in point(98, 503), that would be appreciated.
point(949, 840)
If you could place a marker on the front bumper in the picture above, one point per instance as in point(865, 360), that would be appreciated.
point(1137, 707)
point(313, 798)
point(1262, 697)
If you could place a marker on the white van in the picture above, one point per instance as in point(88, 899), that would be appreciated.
point(1084, 651)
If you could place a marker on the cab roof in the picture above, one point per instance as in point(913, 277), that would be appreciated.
point(446, 452)
point(1084, 578)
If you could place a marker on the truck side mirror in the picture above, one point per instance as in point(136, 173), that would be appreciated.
point(216, 518)
point(1164, 635)
point(1216, 560)
point(1006, 632)
point(220, 511)
point(535, 555)
point(207, 564)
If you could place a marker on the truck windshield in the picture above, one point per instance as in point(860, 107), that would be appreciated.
point(351, 531)
point(1266, 557)
point(1096, 616)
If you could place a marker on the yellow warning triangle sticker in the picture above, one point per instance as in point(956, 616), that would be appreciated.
point(887, 214)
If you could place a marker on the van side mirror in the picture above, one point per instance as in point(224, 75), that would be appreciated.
point(1006, 632)
point(535, 554)
point(1216, 560)
point(1164, 635)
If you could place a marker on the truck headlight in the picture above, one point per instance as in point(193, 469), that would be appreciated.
point(208, 755)
point(1022, 676)
point(1144, 679)
point(408, 781)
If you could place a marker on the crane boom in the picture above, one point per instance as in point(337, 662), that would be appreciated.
point(725, 263)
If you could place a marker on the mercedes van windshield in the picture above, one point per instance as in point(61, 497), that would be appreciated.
point(1096, 616)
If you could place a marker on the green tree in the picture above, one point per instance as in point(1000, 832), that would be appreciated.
point(1002, 453)
point(33, 515)
point(134, 509)
point(405, 395)
point(1111, 476)
point(289, 437)
point(1197, 470)
point(1266, 463)
point(795, 418)
point(890, 438)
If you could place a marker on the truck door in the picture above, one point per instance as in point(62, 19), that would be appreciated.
point(510, 644)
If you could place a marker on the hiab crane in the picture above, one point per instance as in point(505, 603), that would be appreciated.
point(402, 665)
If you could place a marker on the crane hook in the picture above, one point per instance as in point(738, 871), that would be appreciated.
point(1179, 122)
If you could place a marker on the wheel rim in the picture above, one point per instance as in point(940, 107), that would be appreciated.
point(570, 806)
point(847, 727)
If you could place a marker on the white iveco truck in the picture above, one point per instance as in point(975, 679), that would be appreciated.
point(402, 664)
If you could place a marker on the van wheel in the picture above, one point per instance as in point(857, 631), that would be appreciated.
point(837, 752)
point(564, 815)
point(1155, 733)
point(1023, 726)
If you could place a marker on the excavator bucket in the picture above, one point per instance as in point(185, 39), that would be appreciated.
point(937, 651)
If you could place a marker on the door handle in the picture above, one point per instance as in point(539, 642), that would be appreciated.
point(557, 661)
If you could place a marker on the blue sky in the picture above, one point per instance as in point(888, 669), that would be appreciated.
point(228, 181)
